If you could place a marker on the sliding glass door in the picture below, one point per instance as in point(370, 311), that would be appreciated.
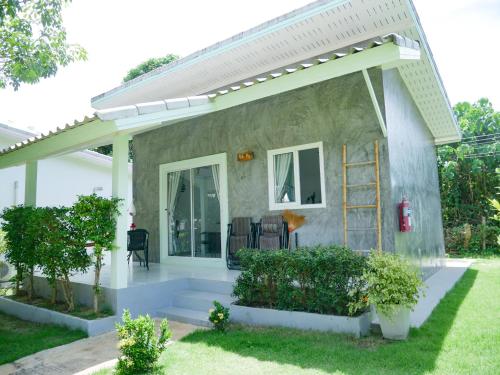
point(194, 212)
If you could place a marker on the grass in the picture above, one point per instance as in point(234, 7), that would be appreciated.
point(461, 337)
point(19, 338)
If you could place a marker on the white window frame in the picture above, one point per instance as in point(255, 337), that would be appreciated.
point(273, 206)
point(221, 160)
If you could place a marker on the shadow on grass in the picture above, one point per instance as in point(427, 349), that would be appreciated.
point(333, 352)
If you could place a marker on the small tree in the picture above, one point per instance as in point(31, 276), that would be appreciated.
point(63, 252)
point(149, 65)
point(22, 242)
point(94, 218)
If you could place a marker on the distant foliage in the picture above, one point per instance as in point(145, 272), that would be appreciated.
point(33, 41)
point(317, 279)
point(148, 66)
point(139, 345)
point(468, 171)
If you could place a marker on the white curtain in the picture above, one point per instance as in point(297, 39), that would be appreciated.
point(216, 176)
point(172, 187)
point(282, 163)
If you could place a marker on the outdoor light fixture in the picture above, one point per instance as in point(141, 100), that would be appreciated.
point(245, 156)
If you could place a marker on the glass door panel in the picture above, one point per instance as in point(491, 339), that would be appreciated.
point(193, 207)
point(206, 212)
point(179, 213)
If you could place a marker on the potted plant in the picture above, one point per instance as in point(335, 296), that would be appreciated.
point(392, 287)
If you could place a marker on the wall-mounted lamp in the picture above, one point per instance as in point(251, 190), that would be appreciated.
point(245, 156)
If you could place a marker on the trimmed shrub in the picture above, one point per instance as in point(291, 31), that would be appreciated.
point(139, 345)
point(318, 279)
point(219, 316)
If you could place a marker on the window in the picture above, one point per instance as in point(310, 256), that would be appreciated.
point(296, 177)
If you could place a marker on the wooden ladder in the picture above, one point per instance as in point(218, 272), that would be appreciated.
point(376, 185)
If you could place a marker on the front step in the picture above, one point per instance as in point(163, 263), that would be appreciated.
point(195, 317)
point(200, 300)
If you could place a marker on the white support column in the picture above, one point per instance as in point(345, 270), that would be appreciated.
point(119, 266)
point(30, 183)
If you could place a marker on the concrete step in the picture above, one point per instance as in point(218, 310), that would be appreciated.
point(195, 317)
point(200, 300)
point(212, 286)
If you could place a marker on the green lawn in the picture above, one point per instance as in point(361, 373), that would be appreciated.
point(19, 338)
point(461, 337)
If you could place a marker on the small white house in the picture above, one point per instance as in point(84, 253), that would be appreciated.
point(60, 179)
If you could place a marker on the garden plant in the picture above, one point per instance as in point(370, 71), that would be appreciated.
point(219, 316)
point(139, 345)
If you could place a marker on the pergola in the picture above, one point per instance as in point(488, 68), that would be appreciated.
point(116, 126)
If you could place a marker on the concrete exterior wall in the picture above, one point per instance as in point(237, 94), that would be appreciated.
point(413, 172)
point(335, 112)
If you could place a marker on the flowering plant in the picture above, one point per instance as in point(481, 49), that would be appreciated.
point(219, 316)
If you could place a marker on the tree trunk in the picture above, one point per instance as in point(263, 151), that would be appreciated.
point(53, 298)
point(31, 283)
point(68, 293)
point(19, 277)
point(97, 286)
point(483, 232)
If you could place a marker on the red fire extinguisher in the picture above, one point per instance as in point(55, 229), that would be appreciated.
point(404, 216)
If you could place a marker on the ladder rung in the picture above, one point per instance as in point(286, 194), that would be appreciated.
point(359, 163)
point(359, 229)
point(361, 185)
point(362, 206)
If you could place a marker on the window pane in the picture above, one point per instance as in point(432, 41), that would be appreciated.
point(310, 178)
point(206, 211)
point(284, 183)
point(179, 213)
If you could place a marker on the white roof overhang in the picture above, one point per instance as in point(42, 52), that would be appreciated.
point(142, 117)
point(308, 32)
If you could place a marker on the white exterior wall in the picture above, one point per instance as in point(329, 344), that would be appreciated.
point(60, 180)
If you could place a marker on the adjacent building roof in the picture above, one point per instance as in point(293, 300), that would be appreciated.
point(23, 137)
point(306, 33)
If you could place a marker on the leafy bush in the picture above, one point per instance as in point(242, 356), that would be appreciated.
point(62, 252)
point(318, 279)
point(219, 316)
point(390, 282)
point(139, 345)
point(21, 227)
point(94, 218)
point(3, 243)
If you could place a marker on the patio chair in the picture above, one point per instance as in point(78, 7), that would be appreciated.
point(138, 240)
point(240, 235)
point(272, 233)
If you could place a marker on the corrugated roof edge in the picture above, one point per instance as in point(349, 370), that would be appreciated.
point(220, 45)
point(117, 113)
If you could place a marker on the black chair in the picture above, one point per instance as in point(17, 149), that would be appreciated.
point(272, 233)
point(138, 240)
point(240, 235)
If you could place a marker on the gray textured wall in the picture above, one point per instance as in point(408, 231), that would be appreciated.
point(335, 112)
point(413, 170)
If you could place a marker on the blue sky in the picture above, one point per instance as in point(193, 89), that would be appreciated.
point(119, 34)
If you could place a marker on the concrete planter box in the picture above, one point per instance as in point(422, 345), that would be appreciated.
point(42, 315)
point(356, 326)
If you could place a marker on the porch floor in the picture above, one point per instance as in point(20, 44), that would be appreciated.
point(138, 275)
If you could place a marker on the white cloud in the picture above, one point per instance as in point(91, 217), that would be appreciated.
point(119, 34)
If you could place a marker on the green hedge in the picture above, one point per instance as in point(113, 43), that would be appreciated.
point(315, 279)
